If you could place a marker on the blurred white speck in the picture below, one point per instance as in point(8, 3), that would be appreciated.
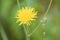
point(41, 21)
point(43, 24)
point(45, 18)
point(44, 33)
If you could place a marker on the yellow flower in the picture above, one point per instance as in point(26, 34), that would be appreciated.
point(26, 15)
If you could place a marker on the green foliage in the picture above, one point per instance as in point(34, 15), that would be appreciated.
point(10, 30)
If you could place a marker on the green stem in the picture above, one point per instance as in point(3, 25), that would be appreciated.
point(34, 30)
point(27, 37)
point(3, 34)
point(39, 24)
point(48, 7)
point(43, 33)
point(18, 4)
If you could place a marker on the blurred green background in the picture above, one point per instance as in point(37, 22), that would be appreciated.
point(10, 30)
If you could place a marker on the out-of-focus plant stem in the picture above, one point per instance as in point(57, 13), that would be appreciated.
point(34, 30)
point(18, 4)
point(48, 7)
point(3, 34)
point(43, 33)
point(27, 37)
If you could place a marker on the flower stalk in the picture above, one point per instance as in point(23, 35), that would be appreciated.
point(24, 21)
point(26, 33)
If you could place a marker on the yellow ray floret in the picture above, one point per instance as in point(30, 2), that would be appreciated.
point(25, 15)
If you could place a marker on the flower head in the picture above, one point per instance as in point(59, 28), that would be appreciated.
point(25, 15)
